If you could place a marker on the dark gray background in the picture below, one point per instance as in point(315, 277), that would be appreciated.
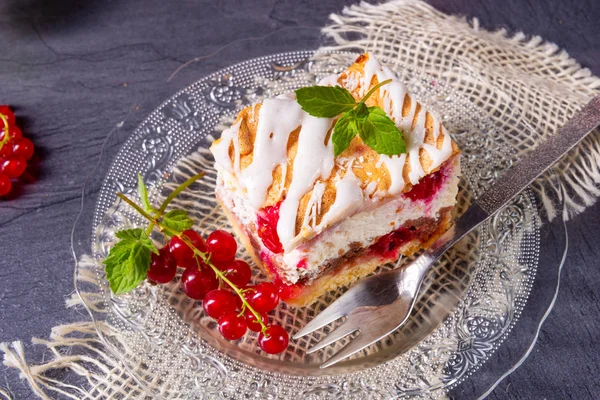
point(74, 69)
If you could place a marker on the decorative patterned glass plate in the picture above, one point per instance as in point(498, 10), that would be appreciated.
point(469, 303)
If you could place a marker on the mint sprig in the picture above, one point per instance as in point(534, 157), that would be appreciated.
point(128, 261)
point(372, 124)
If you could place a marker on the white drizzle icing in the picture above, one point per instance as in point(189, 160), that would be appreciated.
point(313, 206)
point(415, 139)
point(221, 149)
point(394, 165)
point(371, 187)
point(277, 119)
point(313, 160)
point(348, 200)
point(436, 127)
point(351, 82)
point(438, 156)
point(329, 80)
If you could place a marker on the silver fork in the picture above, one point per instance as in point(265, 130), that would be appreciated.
point(377, 306)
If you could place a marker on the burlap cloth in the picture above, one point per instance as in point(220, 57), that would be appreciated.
point(526, 85)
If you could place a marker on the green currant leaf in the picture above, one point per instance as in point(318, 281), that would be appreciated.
point(344, 131)
point(325, 101)
point(178, 220)
point(380, 133)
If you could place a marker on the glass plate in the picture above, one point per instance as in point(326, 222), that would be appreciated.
point(469, 303)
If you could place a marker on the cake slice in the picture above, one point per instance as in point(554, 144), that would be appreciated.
point(314, 221)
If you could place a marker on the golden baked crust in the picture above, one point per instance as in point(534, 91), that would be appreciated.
point(365, 162)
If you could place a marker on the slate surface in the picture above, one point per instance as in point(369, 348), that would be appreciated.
point(73, 70)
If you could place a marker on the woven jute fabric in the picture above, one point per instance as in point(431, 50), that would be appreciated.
point(527, 87)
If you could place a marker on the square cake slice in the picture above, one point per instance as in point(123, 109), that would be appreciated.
point(314, 221)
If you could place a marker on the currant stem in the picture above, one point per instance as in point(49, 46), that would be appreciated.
point(136, 207)
point(221, 275)
point(170, 198)
point(370, 92)
point(204, 256)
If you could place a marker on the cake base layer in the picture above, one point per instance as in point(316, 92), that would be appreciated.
point(352, 268)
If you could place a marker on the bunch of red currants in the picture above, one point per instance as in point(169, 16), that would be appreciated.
point(15, 150)
point(236, 307)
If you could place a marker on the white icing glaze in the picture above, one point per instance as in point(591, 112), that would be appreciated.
point(329, 80)
point(220, 150)
point(438, 156)
point(414, 143)
point(313, 160)
point(371, 187)
point(313, 206)
point(348, 200)
point(277, 119)
point(394, 165)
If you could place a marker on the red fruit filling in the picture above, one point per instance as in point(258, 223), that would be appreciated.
point(267, 228)
point(427, 187)
point(303, 264)
point(387, 245)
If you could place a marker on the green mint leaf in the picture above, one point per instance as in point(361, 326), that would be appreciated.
point(128, 261)
point(380, 133)
point(143, 191)
point(135, 235)
point(325, 101)
point(361, 112)
point(177, 220)
point(127, 266)
point(343, 132)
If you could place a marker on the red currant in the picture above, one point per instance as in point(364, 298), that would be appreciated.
point(23, 147)
point(14, 133)
point(219, 302)
point(232, 326)
point(184, 255)
point(252, 322)
point(238, 272)
point(13, 166)
point(221, 245)
point(263, 297)
point(239, 304)
point(274, 340)
point(162, 266)
point(5, 185)
point(5, 151)
point(7, 112)
point(196, 282)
